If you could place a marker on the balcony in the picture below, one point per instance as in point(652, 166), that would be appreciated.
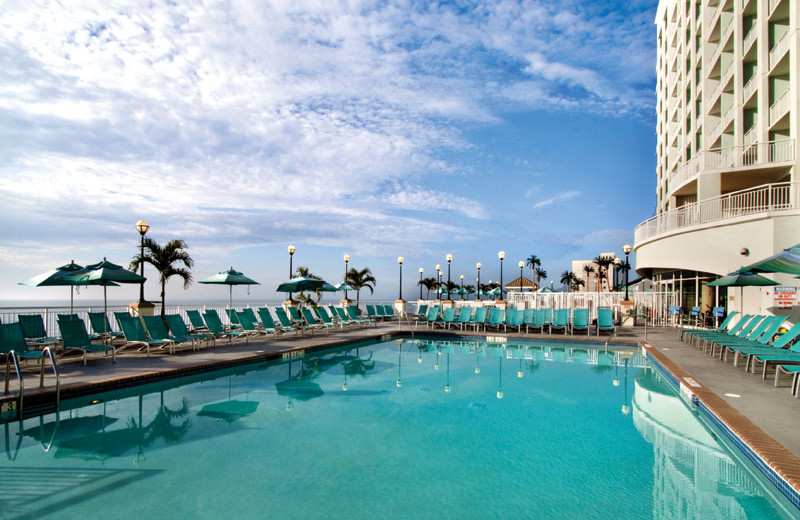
point(745, 156)
point(779, 108)
point(749, 39)
point(769, 199)
point(749, 88)
point(751, 135)
point(773, 4)
point(779, 50)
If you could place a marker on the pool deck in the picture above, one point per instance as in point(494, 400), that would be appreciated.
point(765, 417)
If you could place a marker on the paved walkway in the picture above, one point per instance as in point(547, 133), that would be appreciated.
point(773, 410)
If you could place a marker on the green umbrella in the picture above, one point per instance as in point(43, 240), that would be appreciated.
point(741, 279)
point(56, 277)
point(104, 273)
point(302, 283)
point(787, 261)
point(344, 287)
point(230, 278)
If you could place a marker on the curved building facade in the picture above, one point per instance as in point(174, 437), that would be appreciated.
point(727, 177)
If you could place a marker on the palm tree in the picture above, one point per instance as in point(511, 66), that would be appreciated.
point(577, 283)
point(163, 259)
point(429, 284)
point(306, 272)
point(567, 278)
point(540, 273)
point(533, 262)
point(588, 269)
point(360, 280)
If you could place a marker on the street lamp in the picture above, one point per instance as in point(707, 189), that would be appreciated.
point(551, 285)
point(291, 250)
point(449, 259)
point(439, 281)
point(627, 250)
point(142, 228)
point(421, 270)
point(400, 261)
point(462, 287)
point(479, 265)
point(346, 261)
point(501, 255)
point(521, 265)
point(617, 269)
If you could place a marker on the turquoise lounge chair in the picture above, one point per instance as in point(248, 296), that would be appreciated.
point(312, 322)
point(233, 318)
point(479, 319)
point(33, 329)
point(11, 338)
point(433, 315)
point(157, 330)
point(759, 337)
point(101, 325)
point(721, 328)
point(214, 324)
point(388, 311)
point(580, 321)
point(352, 313)
point(326, 318)
point(464, 317)
point(196, 320)
point(514, 318)
point(267, 322)
point(605, 321)
point(135, 334)
point(447, 318)
point(286, 324)
point(777, 354)
point(748, 321)
point(178, 329)
point(495, 319)
point(561, 320)
point(75, 338)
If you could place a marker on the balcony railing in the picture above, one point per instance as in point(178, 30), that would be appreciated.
point(749, 39)
point(772, 5)
point(749, 88)
point(767, 199)
point(734, 157)
point(751, 135)
point(779, 108)
point(779, 50)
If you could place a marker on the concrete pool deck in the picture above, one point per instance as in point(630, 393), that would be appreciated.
point(764, 416)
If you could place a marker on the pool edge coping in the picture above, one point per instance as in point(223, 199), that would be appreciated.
point(776, 463)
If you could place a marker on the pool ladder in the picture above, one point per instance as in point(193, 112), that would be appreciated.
point(12, 358)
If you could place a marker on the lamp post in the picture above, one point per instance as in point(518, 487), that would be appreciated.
point(617, 269)
point(400, 261)
point(551, 285)
point(627, 250)
point(479, 265)
point(439, 282)
point(462, 287)
point(142, 228)
point(346, 262)
point(501, 255)
point(521, 265)
point(291, 249)
point(421, 270)
point(449, 259)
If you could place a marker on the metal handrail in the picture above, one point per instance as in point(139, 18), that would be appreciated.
point(49, 353)
point(12, 356)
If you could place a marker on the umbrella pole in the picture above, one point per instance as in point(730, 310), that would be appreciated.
point(230, 305)
point(105, 314)
point(71, 298)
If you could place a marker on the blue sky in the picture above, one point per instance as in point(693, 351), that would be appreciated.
point(373, 128)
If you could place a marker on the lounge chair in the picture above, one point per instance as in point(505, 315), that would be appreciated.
point(267, 322)
point(326, 318)
point(157, 330)
point(748, 320)
point(343, 316)
point(11, 338)
point(178, 329)
point(464, 317)
point(537, 321)
point(561, 321)
point(33, 329)
point(422, 310)
point(250, 314)
point(479, 319)
point(432, 315)
point(372, 312)
point(65, 317)
point(723, 327)
point(247, 325)
point(547, 318)
point(759, 337)
point(352, 313)
point(287, 324)
point(312, 322)
point(513, 318)
point(214, 324)
point(135, 334)
point(580, 321)
point(777, 354)
point(233, 318)
point(448, 316)
point(605, 321)
point(75, 338)
point(388, 311)
point(196, 320)
point(495, 318)
point(792, 370)
point(101, 325)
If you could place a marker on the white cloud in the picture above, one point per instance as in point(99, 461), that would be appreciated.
point(560, 197)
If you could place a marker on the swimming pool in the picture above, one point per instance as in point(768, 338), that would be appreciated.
point(399, 429)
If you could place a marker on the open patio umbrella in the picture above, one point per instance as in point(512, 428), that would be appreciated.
point(344, 287)
point(105, 273)
point(302, 283)
point(230, 278)
point(787, 261)
point(55, 277)
point(741, 279)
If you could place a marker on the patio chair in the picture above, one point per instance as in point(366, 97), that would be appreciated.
point(464, 317)
point(447, 318)
point(580, 321)
point(721, 328)
point(66, 317)
point(479, 319)
point(248, 325)
point(710, 335)
point(561, 321)
point(267, 322)
point(75, 338)
point(758, 337)
point(605, 321)
point(214, 324)
point(11, 338)
point(776, 352)
point(100, 325)
point(432, 315)
point(421, 311)
point(342, 316)
point(287, 324)
point(388, 311)
point(323, 315)
point(514, 318)
point(495, 318)
point(372, 312)
point(134, 333)
point(352, 313)
point(233, 318)
point(33, 329)
point(196, 320)
point(178, 329)
point(312, 322)
point(157, 330)
point(252, 315)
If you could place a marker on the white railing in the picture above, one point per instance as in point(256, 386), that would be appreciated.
point(779, 50)
point(749, 39)
point(712, 21)
point(673, 104)
point(772, 5)
point(779, 108)
point(734, 157)
point(769, 198)
point(723, 81)
point(749, 88)
point(751, 135)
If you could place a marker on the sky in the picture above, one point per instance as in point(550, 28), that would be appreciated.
point(376, 129)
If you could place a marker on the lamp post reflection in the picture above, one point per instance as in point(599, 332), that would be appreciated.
point(500, 379)
point(399, 382)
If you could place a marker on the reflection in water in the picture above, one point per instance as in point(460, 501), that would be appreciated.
point(695, 477)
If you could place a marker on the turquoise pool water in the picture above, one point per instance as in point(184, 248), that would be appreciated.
point(402, 429)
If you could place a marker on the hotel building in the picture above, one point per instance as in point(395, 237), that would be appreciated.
point(727, 176)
